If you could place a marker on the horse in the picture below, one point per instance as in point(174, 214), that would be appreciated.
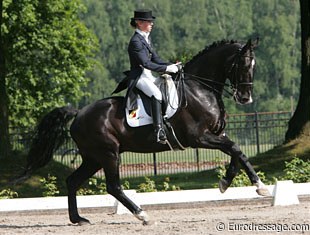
point(101, 132)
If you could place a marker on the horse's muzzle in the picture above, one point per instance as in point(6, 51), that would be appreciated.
point(243, 98)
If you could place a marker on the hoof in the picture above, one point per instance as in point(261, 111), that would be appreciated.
point(83, 223)
point(263, 192)
point(144, 217)
point(223, 185)
point(149, 222)
point(80, 221)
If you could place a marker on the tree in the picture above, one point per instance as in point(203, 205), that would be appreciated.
point(301, 117)
point(45, 51)
point(101, 82)
point(4, 119)
point(278, 55)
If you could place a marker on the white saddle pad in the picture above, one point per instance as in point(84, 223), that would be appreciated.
point(139, 117)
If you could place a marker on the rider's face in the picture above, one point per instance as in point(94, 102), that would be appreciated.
point(145, 26)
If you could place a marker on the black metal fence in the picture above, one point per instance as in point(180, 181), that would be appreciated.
point(254, 132)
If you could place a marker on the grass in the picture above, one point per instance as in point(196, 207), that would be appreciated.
point(195, 180)
point(13, 167)
point(272, 163)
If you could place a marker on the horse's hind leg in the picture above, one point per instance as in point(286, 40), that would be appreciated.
point(111, 170)
point(74, 181)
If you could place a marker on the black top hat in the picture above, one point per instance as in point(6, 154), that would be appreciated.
point(143, 15)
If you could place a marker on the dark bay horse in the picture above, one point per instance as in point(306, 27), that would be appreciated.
point(101, 132)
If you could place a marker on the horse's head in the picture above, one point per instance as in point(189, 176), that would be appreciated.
point(241, 73)
point(222, 60)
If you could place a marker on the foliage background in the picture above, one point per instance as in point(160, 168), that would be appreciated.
point(47, 50)
point(186, 27)
point(75, 51)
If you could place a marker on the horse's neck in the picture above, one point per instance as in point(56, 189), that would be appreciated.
point(206, 70)
point(203, 98)
point(204, 85)
point(205, 108)
point(205, 78)
point(208, 78)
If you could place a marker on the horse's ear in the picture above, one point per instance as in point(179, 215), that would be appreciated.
point(247, 46)
point(255, 43)
point(252, 44)
point(249, 42)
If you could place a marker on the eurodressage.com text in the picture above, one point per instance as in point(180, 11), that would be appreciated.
point(276, 227)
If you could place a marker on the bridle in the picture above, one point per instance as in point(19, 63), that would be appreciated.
point(234, 72)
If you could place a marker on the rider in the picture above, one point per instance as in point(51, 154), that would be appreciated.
point(144, 60)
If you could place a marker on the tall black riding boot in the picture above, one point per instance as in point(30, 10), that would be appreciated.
point(158, 121)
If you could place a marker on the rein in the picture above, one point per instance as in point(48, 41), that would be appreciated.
point(180, 78)
point(205, 81)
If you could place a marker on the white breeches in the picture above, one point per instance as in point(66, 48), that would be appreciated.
point(147, 84)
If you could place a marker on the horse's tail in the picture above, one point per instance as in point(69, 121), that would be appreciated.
point(49, 135)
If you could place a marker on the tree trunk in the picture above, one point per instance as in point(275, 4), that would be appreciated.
point(301, 116)
point(4, 117)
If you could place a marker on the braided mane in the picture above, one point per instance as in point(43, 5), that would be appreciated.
point(207, 48)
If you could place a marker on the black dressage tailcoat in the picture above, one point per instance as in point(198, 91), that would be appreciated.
point(141, 55)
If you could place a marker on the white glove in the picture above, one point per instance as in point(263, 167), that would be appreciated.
point(172, 68)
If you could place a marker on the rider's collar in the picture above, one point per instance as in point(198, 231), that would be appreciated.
point(144, 34)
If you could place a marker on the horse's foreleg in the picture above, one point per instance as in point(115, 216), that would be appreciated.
point(74, 181)
point(237, 159)
point(227, 146)
point(261, 187)
point(111, 170)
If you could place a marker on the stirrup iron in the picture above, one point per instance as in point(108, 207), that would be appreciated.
point(160, 135)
